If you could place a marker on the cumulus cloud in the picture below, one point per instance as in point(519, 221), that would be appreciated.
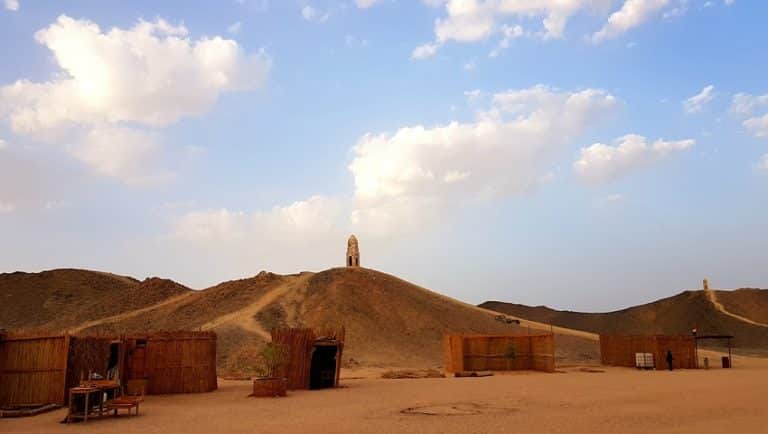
point(123, 153)
point(745, 105)
point(632, 14)
point(476, 20)
point(407, 176)
point(424, 51)
point(303, 235)
point(290, 224)
point(601, 162)
point(758, 125)
point(697, 102)
point(410, 179)
point(12, 5)
point(152, 75)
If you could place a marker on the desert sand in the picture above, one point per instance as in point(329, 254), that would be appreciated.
point(617, 400)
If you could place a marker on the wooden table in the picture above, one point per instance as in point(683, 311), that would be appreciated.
point(94, 393)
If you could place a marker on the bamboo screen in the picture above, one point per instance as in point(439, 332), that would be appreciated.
point(620, 350)
point(183, 362)
point(499, 353)
point(33, 370)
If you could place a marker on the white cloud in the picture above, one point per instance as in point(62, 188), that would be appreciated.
point(124, 153)
point(408, 176)
point(151, 75)
point(12, 5)
point(476, 20)
point(758, 125)
point(7, 207)
point(291, 224)
point(632, 14)
point(509, 32)
point(745, 105)
point(601, 162)
point(697, 102)
point(424, 51)
point(310, 13)
point(470, 66)
point(235, 28)
point(3, 144)
point(728, 2)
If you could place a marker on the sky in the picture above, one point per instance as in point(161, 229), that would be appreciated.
point(581, 154)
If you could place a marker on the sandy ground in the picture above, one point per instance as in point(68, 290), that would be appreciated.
point(618, 400)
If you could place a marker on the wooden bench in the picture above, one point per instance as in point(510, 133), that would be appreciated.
point(133, 396)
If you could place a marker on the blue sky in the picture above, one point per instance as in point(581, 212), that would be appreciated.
point(584, 154)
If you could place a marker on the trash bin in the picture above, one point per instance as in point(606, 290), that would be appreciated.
point(726, 362)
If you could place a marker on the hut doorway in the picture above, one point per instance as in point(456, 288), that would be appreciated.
point(322, 372)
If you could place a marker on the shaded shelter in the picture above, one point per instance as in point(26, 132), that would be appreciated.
point(499, 352)
point(313, 357)
point(727, 362)
point(620, 350)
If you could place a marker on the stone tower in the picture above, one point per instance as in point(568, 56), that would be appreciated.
point(353, 252)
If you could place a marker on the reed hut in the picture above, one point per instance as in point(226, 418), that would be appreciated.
point(38, 370)
point(620, 350)
point(173, 362)
point(313, 357)
point(33, 370)
point(499, 353)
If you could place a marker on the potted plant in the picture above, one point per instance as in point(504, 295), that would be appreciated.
point(268, 383)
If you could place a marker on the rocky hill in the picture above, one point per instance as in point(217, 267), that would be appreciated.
point(742, 313)
point(389, 322)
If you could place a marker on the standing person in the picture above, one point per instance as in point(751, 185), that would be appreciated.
point(669, 359)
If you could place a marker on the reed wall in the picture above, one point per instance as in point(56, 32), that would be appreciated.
point(499, 353)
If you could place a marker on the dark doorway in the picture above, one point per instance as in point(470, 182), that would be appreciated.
point(322, 372)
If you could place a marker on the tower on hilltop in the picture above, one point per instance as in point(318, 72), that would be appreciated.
point(353, 252)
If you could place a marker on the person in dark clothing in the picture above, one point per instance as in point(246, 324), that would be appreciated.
point(669, 359)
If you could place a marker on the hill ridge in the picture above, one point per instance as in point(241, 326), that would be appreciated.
point(711, 312)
